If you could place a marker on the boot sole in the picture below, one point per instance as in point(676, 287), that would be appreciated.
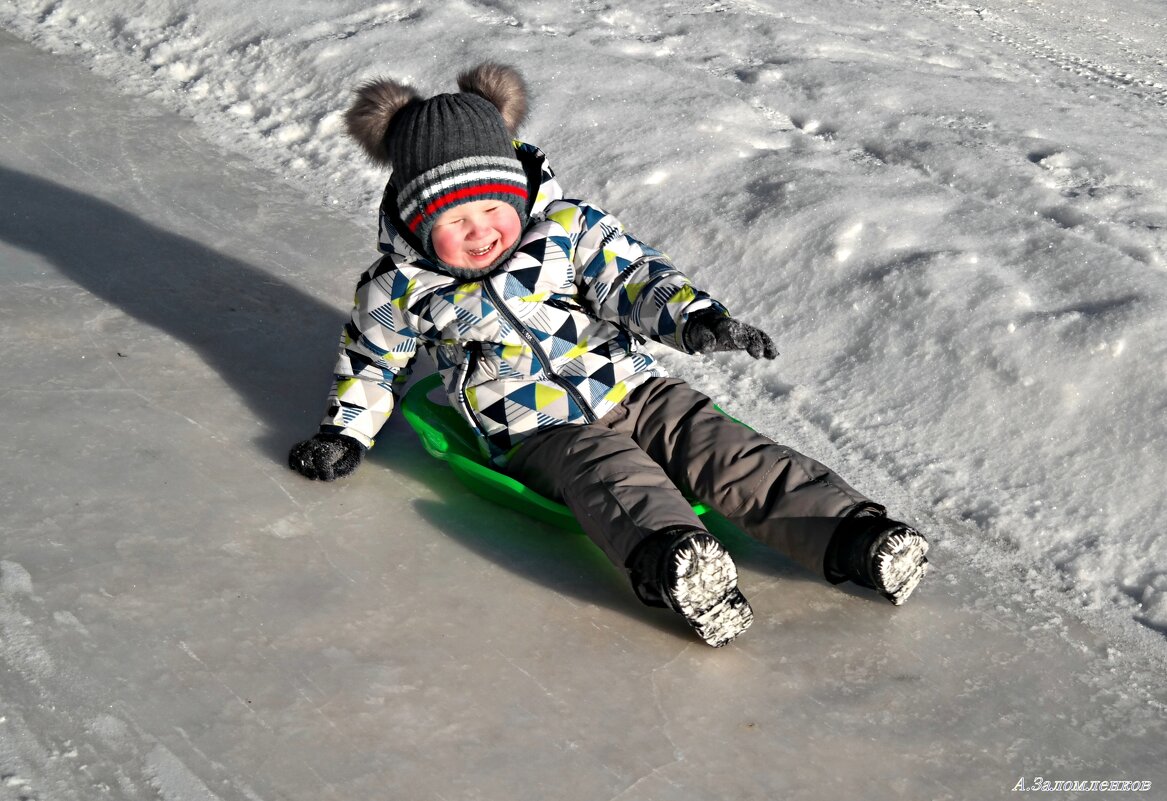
point(703, 589)
point(900, 565)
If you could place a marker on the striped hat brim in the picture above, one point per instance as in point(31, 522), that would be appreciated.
point(460, 181)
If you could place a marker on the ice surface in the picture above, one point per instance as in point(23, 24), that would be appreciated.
point(952, 217)
point(183, 618)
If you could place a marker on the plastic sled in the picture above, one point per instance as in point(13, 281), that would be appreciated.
point(446, 436)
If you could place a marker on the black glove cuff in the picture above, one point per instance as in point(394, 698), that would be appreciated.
point(341, 439)
point(701, 320)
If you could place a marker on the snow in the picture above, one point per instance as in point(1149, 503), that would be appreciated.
point(951, 217)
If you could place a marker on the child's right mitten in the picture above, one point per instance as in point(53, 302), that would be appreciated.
point(326, 457)
point(708, 330)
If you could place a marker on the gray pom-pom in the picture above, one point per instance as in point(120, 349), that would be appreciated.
point(368, 118)
point(501, 85)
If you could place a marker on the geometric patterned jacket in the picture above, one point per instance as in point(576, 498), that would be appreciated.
point(550, 337)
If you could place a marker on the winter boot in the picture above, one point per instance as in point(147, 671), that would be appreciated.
point(687, 570)
point(881, 554)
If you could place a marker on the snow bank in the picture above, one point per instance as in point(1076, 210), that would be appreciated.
point(952, 219)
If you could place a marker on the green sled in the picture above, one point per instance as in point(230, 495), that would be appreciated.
point(446, 436)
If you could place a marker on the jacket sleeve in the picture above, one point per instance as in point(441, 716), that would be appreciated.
point(377, 349)
point(629, 282)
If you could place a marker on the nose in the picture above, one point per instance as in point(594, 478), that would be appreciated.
point(478, 226)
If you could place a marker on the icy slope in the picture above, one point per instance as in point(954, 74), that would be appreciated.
point(953, 218)
point(184, 619)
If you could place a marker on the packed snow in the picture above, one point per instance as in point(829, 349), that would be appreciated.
point(950, 216)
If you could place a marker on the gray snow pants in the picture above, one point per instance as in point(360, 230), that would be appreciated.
point(627, 476)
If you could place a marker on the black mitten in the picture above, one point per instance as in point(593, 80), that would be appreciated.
point(326, 456)
point(709, 331)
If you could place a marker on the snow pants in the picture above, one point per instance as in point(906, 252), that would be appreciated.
point(627, 476)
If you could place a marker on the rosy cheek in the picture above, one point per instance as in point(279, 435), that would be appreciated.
point(509, 228)
point(446, 246)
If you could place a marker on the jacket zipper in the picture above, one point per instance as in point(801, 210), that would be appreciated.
point(540, 355)
point(467, 368)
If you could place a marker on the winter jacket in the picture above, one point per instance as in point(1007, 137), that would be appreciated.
point(550, 337)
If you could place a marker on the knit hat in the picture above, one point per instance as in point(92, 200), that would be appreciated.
point(448, 149)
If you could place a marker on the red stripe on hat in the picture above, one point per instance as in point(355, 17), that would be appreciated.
point(462, 194)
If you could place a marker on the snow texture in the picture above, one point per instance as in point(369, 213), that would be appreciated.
point(952, 218)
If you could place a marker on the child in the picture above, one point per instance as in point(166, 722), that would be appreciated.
point(534, 308)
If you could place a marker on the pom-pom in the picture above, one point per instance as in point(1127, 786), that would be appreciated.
point(501, 85)
point(368, 118)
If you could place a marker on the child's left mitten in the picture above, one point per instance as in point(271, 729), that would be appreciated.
point(708, 330)
point(326, 457)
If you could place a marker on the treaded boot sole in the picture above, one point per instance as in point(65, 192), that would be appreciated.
point(702, 587)
point(900, 564)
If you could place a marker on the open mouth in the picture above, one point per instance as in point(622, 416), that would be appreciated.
point(478, 253)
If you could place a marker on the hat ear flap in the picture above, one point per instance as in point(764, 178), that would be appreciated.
point(367, 120)
point(501, 85)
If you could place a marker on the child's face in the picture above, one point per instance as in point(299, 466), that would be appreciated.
point(473, 235)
